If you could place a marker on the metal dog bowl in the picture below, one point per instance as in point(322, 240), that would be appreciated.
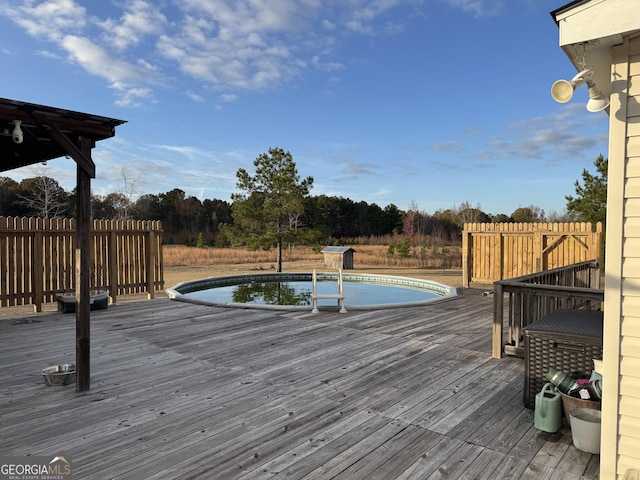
point(59, 374)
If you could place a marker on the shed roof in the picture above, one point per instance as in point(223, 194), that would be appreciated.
point(337, 249)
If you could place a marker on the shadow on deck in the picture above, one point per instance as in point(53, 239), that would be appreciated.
point(190, 391)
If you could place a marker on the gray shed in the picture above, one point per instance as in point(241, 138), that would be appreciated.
point(338, 257)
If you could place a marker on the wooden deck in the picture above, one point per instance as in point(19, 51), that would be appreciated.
point(182, 391)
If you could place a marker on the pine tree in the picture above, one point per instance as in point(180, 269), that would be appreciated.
point(269, 199)
point(590, 202)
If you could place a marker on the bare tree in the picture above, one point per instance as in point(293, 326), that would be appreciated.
point(467, 213)
point(43, 196)
point(128, 192)
point(560, 217)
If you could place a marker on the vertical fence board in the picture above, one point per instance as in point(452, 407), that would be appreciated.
point(37, 269)
point(113, 265)
point(18, 276)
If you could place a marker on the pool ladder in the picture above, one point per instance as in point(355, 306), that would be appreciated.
point(315, 296)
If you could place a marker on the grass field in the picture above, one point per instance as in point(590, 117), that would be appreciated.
point(366, 255)
point(182, 263)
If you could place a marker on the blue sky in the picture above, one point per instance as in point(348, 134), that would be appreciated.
point(430, 103)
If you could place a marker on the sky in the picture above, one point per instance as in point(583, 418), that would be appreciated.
point(415, 103)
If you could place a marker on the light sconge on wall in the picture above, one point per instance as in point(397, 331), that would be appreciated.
point(562, 91)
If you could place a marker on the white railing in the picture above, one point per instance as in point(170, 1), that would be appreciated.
point(315, 296)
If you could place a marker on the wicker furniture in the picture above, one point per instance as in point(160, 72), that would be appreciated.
point(568, 340)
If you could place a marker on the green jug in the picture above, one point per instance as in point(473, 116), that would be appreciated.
point(548, 409)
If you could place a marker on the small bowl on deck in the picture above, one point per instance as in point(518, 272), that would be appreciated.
point(59, 374)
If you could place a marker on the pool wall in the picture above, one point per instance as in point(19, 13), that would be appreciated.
point(177, 292)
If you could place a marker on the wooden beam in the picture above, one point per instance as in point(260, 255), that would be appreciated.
point(82, 158)
point(83, 245)
point(82, 123)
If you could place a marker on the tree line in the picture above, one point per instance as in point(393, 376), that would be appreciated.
point(318, 219)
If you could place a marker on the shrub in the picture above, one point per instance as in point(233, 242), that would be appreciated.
point(200, 241)
point(403, 248)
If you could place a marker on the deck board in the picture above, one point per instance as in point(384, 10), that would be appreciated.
point(197, 392)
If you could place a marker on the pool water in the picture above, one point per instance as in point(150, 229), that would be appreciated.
point(298, 293)
point(293, 291)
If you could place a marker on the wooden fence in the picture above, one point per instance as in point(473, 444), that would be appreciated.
point(498, 251)
point(37, 259)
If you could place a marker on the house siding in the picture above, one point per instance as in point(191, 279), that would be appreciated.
point(621, 425)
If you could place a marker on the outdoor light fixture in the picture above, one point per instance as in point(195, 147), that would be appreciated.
point(17, 132)
point(562, 91)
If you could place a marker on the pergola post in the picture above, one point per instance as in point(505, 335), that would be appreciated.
point(83, 249)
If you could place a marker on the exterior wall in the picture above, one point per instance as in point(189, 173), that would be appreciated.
point(620, 446)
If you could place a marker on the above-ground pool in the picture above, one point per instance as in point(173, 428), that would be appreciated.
point(293, 291)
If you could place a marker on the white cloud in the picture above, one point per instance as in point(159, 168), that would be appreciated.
point(127, 79)
point(327, 66)
point(228, 98)
point(481, 8)
point(49, 19)
point(328, 24)
point(249, 16)
point(562, 135)
point(95, 60)
point(140, 18)
point(194, 96)
point(222, 52)
point(133, 97)
point(49, 54)
point(362, 18)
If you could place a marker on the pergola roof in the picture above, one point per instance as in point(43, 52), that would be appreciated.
point(48, 132)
